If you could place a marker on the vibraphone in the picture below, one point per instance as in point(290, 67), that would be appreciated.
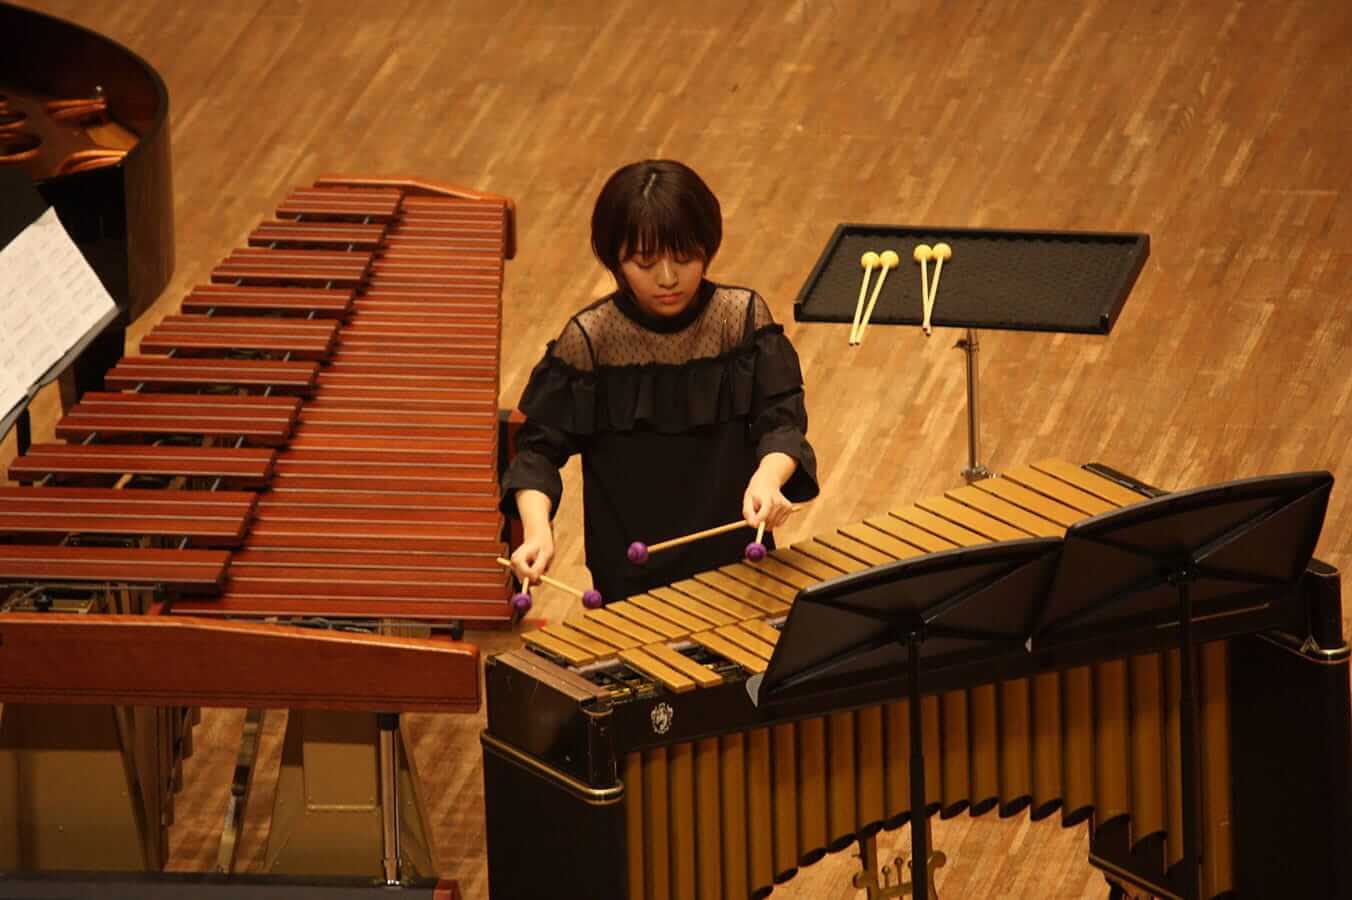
point(314, 436)
point(630, 729)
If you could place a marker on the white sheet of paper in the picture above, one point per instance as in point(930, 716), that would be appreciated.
point(76, 299)
point(50, 300)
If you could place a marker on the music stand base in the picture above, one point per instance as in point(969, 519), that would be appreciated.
point(886, 882)
point(976, 473)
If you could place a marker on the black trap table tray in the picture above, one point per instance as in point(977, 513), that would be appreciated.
point(1060, 281)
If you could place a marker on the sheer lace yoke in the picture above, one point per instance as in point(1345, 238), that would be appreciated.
point(607, 372)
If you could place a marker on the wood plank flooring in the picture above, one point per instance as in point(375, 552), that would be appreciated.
point(1221, 128)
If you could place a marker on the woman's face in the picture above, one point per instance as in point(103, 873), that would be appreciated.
point(663, 284)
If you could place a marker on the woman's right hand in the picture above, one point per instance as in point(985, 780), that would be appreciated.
point(532, 558)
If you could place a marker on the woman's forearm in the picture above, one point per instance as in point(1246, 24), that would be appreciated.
point(534, 508)
point(777, 466)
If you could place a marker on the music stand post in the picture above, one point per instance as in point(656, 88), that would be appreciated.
point(975, 470)
point(1215, 550)
point(889, 625)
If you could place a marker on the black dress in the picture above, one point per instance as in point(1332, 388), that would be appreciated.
point(672, 416)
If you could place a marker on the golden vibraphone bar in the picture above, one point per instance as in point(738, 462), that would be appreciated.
point(311, 440)
point(623, 754)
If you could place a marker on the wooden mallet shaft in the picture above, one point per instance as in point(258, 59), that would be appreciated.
point(696, 536)
point(941, 252)
point(545, 579)
point(700, 535)
point(923, 254)
point(890, 261)
point(868, 261)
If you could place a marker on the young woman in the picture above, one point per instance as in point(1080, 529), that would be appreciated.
point(683, 396)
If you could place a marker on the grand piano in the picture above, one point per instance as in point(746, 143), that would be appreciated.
point(87, 121)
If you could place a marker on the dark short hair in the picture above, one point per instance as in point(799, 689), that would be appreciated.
point(652, 207)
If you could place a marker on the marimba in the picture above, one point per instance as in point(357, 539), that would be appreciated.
point(314, 436)
point(61, 675)
point(630, 729)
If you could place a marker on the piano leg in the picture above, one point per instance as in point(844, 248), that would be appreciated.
point(93, 364)
point(23, 432)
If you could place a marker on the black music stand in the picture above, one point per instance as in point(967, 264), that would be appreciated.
point(883, 625)
point(1225, 549)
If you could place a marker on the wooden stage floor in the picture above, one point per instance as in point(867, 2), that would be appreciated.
point(1219, 128)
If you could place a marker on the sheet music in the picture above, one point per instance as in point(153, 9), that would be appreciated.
point(51, 305)
point(75, 300)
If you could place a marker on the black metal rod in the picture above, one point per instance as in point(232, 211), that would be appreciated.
point(23, 432)
point(1187, 718)
point(919, 818)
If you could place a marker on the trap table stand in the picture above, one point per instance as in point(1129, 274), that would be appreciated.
point(975, 470)
point(1056, 281)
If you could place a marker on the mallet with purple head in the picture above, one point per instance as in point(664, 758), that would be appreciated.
point(591, 599)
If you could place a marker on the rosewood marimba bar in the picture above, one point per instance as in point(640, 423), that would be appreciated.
point(630, 728)
point(358, 334)
point(384, 501)
point(314, 435)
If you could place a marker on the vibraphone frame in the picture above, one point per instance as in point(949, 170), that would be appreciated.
point(559, 738)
